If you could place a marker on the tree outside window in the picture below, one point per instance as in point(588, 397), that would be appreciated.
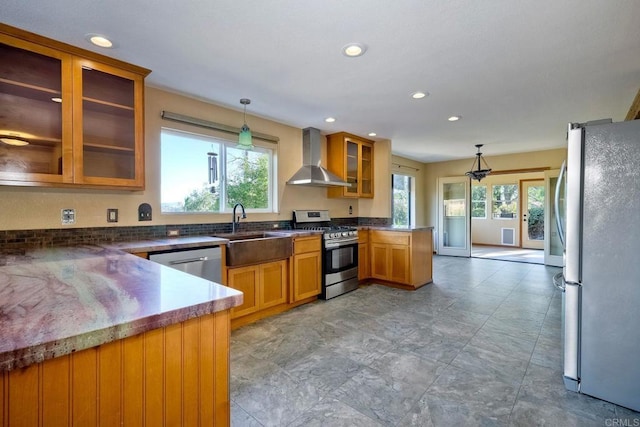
point(204, 174)
point(401, 212)
point(479, 201)
point(505, 200)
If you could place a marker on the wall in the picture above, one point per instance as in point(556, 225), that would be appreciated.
point(25, 208)
point(511, 162)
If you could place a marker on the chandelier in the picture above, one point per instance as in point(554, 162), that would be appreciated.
point(479, 173)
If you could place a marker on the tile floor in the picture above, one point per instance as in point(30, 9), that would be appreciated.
point(479, 346)
point(503, 253)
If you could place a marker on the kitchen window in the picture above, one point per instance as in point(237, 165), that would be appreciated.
point(202, 174)
point(479, 201)
point(402, 199)
point(505, 201)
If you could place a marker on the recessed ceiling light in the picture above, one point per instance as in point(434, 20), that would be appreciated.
point(354, 49)
point(372, 134)
point(419, 95)
point(329, 120)
point(56, 99)
point(454, 118)
point(99, 40)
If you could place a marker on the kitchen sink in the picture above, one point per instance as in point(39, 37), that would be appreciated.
point(248, 248)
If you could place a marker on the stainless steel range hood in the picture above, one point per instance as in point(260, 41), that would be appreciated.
point(311, 173)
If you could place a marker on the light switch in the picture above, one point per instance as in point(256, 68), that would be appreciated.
point(112, 215)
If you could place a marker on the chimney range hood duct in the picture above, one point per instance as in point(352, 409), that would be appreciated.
point(311, 173)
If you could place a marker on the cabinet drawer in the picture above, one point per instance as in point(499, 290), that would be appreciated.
point(363, 236)
point(390, 237)
point(306, 244)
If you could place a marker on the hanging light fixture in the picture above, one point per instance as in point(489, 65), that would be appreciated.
point(244, 138)
point(479, 173)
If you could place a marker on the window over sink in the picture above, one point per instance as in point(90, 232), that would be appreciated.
point(203, 174)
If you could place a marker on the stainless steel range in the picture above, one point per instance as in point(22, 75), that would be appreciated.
point(339, 254)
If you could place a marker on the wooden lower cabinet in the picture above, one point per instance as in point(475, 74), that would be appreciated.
point(307, 267)
point(403, 258)
point(364, 259)
point(174, 376)
point(263, 286)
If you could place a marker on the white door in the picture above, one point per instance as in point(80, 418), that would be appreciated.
point(454, 217)
point(552, 244)
point(533, 214)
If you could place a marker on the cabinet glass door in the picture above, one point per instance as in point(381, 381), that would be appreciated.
point(33, 102)
point(352, 168)
point(108, 126)
point(366, 187)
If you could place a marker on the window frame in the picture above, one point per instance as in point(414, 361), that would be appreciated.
point(516, 200)
point(223, 145)
point(411, 199)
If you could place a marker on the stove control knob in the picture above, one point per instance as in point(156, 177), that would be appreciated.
point(344, 234)
point(353, 233)
point(333, 235)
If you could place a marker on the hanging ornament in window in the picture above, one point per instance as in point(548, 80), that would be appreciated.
point(213, 170)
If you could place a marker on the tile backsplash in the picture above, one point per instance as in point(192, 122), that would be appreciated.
point(12, 240)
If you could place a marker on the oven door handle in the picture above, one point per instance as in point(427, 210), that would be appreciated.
point(346, 242)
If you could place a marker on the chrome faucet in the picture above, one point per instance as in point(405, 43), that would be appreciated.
point(235, 222)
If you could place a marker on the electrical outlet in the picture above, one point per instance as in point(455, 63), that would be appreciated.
point(112, 215)
point(68, 216)
point(144, 212)
point(173, 233)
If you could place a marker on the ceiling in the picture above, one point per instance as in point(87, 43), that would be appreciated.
point(516, 71)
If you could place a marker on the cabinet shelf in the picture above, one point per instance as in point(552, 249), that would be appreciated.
point(108, 104)
point(107, 148)
point(25, 90)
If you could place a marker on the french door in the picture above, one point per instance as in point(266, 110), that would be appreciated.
point(532, 231)
point(553, 248)
point(454, 216)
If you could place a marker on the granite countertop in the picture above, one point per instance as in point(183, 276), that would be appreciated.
point(168, 244)
point(395, 228)
point(59, 300)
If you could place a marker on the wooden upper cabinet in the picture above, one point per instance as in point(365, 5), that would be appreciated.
point(351, 158)
point(78, 115)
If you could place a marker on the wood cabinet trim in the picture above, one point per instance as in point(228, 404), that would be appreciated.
point(67, 48)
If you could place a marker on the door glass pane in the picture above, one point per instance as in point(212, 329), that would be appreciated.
point(108, 125)
point(555, 247)
point(535, 210)
point(30, 112)
point(455, 223)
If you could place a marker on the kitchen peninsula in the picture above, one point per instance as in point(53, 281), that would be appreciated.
point(92, 333)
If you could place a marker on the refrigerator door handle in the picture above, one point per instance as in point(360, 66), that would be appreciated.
point(556, 204)
point(558, 282)
point(572, 323)
point(573, 197)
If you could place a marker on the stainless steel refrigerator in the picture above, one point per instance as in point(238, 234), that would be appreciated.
point(601, 274)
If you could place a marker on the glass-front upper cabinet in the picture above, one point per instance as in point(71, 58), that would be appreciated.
point(68, 116)
point(351, 158)
point(34, 100)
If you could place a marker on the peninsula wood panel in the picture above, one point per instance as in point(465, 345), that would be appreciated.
point(177, 375)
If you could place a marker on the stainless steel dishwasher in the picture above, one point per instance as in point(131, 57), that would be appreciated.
point(205, 262)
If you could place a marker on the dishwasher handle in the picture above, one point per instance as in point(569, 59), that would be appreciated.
point(189, 260)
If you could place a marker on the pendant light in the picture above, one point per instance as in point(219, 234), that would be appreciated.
point(479, 173)
point(244, 138)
